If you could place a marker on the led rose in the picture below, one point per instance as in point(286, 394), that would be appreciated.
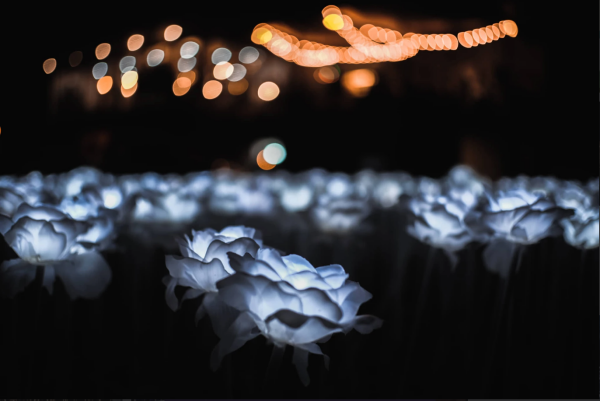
point(440, 223)
point(339, 214)
point(47, 238)
point(232, 195)
point(10, 200)
point(289, 302)
point(204, 261)
point(513, 218)
point(582, 233)
point(296, 197)
point(519, 216)
point(152, 207)
point(88, 207)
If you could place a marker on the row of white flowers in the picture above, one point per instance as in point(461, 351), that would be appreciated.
point(62, 223)
point(450, 211)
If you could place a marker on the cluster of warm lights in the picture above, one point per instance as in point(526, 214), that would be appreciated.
point(369, 44)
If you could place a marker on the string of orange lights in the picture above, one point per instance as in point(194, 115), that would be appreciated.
point(370, 43)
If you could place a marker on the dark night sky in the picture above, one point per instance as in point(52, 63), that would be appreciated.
point(535, 129)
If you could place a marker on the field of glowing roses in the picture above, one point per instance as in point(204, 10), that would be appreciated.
point(315, 284)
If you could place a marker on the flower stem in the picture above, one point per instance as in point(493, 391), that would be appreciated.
point(274, 363)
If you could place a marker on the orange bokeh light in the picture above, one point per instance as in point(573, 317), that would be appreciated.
point(237, 88)
point(173, 32)
point(135, 42)
point(268, 91)
point(104, 85)
point(129, 92)
point(181, 90)
point(49, 65)
point(212, 89)
point(223, 70)
point(262, 163)
point(102, 51)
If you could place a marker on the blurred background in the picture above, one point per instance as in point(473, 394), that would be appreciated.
point(506, 108)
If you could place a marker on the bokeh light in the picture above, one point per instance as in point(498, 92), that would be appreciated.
point(220, 55)
point(181, 86)
point(510, 28)
point(155, 57)
point(189, 49)
point(129, 92)
point(49, 65)
point(173, 32)
point(99, 70)
point(327, 75)
point(274, 153)
point(75, 59)
point(261, 35)
point(237, 88)
point(135, 42)
point(189, 75)
point(239, 72)
point(102, 51)
point(268, 91)
point(127, 63)
point(262, 163)
point(359, 82)
point(129, 79)
point(186, 64)
point(248, 55)
point(223, 70)
point(333, 22)
point(212, 89)
point(104, 85)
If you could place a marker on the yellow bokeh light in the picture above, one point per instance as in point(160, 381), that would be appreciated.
point(173, 32)
point(223, 70)
point(129, 79)
point(104, 85)
point(212, 89)
point(268, 91)
point(102, 51)
point(333, 22)
point(129, 92)
point(135, 42)
point(49, 65)
point(237, 88)
point(261, 36)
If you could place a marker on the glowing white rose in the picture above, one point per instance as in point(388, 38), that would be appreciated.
point(49, 239)
point(440, 223)
point(204, 261)
point(289, 302)
point(339, 214)
point(519, 216)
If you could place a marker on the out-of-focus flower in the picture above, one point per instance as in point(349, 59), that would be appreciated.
point(519, 216)
point(513, 218)
point(45, 237)
point(582, 233)
point(155, 207)
point(204, 260)
point(339, 214)
point(289, 302)
point(296, 197)
point(238, 195)
point(440, 223)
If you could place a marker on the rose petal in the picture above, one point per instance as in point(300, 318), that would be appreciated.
point(86, 275)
